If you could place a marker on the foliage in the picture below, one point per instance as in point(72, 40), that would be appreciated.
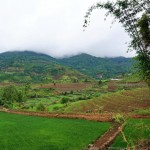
point(97, 67)
point(55, 134)
point(119, 118)
point(40, 107)
point(135, 130)
point(128, 13)
point(26, 67)
point(117, 102)
point(143, 111)
point(10, 95)
point(64, 100)
point(100, 82)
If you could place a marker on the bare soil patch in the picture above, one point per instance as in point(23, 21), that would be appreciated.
point(107, 139)
point(64, 87)
point(95, 117)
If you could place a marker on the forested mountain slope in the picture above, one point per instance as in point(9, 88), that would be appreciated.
point(35, 67)
point(97, 67)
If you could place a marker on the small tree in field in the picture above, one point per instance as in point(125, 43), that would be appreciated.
point(11, 94)
point(134, 15)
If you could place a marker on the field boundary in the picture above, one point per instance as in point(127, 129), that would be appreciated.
point(107, 138)
point(103, 117)
point(93, 117)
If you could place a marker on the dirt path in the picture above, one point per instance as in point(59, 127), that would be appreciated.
point(107, 139)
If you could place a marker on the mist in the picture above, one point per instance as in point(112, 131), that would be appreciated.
point(55, 27)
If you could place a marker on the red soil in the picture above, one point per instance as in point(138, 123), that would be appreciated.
point(64, 87)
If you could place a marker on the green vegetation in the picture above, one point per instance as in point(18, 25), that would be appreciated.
point(134, 77)
point(119, 118)
point(10, 95)
point(41, 107)
point(25, 67)
point(32, 133)
point(127, 101)
point(143, 111)
point(37, 82)
point(135, 130)
point(77, 97)
point(136, 23)
point(97, 67)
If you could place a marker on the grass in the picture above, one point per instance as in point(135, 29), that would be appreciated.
point(143, 111)
point(19, 132)
point(135, 130)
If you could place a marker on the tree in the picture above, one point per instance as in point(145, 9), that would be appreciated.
point(11, 94)
point(134, 15)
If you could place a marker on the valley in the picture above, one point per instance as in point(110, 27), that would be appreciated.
point(60, 100)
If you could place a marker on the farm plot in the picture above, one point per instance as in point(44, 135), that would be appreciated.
point(33, 133)
point(64, 87)
point(126, 101)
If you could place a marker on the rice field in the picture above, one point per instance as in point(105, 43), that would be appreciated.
point(19, 132)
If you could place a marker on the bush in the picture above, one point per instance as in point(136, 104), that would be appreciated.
point(100, 82)
point(56, 108)
point(10, 106)
point(71, 92)
point(119, 118)
point(11, 94)
point(40, 107)
point(64, 100)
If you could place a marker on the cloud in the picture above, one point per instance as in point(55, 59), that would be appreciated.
point(55, 27)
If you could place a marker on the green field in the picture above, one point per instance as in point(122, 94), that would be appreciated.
point(19, 132)
point(135, 130)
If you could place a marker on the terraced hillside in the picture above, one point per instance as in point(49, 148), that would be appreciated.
point(33, 67)
point(125, 101)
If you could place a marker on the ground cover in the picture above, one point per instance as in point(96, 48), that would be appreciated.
point(122, 101)
point(33, 133)
point(135, 131)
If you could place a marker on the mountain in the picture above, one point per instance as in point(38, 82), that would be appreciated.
point(98, 67)
point(35, 67)
point(29, 66)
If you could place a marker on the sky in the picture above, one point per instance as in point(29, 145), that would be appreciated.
point(55, 27)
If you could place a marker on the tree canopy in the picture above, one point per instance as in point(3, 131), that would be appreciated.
point(134, 15)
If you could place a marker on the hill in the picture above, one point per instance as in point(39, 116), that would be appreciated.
point(98, 67)
point(29, 66)
point(35, 67)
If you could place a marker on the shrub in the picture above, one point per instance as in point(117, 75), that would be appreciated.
point(11, 94)
point(119, 118)
point(64, 100)
point(55, 108)
point(40, 107)
point(71, 92)
point(100, 82)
